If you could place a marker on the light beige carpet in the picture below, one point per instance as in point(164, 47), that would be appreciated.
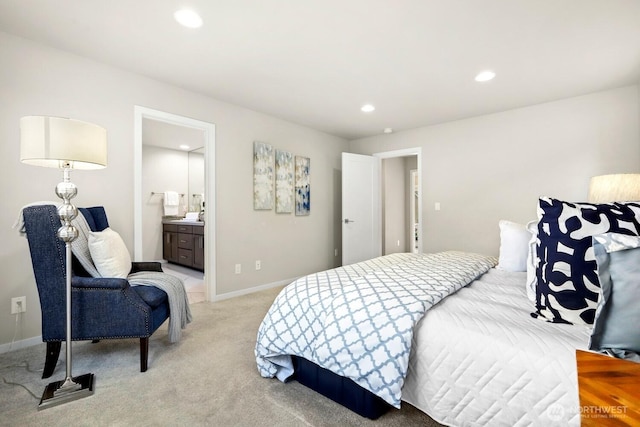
point(209, 378)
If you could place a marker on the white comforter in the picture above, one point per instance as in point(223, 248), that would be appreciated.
point(480, 359)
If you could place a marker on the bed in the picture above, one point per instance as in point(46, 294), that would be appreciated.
point(494, 349)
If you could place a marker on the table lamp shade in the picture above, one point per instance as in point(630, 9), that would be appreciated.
point(614, 188)
point(57, 142)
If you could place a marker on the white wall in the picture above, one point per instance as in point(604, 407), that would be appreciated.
point(480, 169)
point(37, 80)
point(496, 166)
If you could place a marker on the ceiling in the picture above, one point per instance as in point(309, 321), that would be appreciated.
point(166, 135)
point(316, 62)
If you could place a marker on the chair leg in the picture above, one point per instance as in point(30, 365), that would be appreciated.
point(53, 352)
point(144, 354)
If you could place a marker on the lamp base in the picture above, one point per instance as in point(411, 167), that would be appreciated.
point(55, 394)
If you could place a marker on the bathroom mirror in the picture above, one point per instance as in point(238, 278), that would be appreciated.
point(196, 180)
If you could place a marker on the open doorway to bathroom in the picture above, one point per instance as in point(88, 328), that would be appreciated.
point(173, 160)
point(162, 165)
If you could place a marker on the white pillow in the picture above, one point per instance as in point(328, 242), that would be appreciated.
point(532, 261)
point(109, 253)
point(514, 246)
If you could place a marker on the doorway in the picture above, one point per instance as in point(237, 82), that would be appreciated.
point(398, 198)
point(143, 115)
point(414, 203)
point(413, 229)
point(353, 183)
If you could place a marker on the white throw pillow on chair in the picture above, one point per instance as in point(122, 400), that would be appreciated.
point(109, 253)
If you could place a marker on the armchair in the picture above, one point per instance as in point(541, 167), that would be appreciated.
point(102, 308)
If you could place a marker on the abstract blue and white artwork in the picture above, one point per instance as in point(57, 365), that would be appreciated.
point(303, 187)
point(284, 182)
point(262, 176)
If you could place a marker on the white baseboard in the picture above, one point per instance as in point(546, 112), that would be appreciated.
point(29, 342)
point(252, 290)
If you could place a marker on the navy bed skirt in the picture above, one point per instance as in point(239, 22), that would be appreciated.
point(338, 388)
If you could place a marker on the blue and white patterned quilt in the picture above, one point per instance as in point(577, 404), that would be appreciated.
point(357, 321)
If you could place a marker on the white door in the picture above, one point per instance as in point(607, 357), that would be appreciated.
point(361, 208)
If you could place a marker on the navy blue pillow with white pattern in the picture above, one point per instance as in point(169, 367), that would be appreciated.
point(567, 280)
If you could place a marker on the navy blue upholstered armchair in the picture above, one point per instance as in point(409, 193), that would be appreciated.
point(102, 308)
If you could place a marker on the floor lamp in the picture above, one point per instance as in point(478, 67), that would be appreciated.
point(66, 144)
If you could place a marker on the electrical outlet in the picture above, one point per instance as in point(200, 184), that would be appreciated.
point(18, 305)
point(258, 265)
point(238, 268)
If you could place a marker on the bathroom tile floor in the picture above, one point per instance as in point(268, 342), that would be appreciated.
point(193, 281)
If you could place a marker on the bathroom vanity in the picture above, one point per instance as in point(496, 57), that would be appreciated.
point(183, 243)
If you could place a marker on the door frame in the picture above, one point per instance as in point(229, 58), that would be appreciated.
point(416, 151)
point(413, 174)
point(208, 129)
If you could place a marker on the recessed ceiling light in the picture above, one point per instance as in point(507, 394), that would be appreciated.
point(367, 108)
point(485, 76)
point(388, 130)
point(184, 146)
point(188, 18)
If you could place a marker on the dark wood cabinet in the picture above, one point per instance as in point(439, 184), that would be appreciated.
point(184, 244)
point(170, 242)
point(198, 247)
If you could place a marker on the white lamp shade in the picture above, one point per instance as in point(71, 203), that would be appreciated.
point(615, 188)
point(55, 142)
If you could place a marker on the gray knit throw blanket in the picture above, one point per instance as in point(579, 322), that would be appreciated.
point(180, 313)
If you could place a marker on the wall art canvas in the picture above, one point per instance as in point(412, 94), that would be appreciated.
point(284, 182)
point(262, 176)
point(303, 187)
